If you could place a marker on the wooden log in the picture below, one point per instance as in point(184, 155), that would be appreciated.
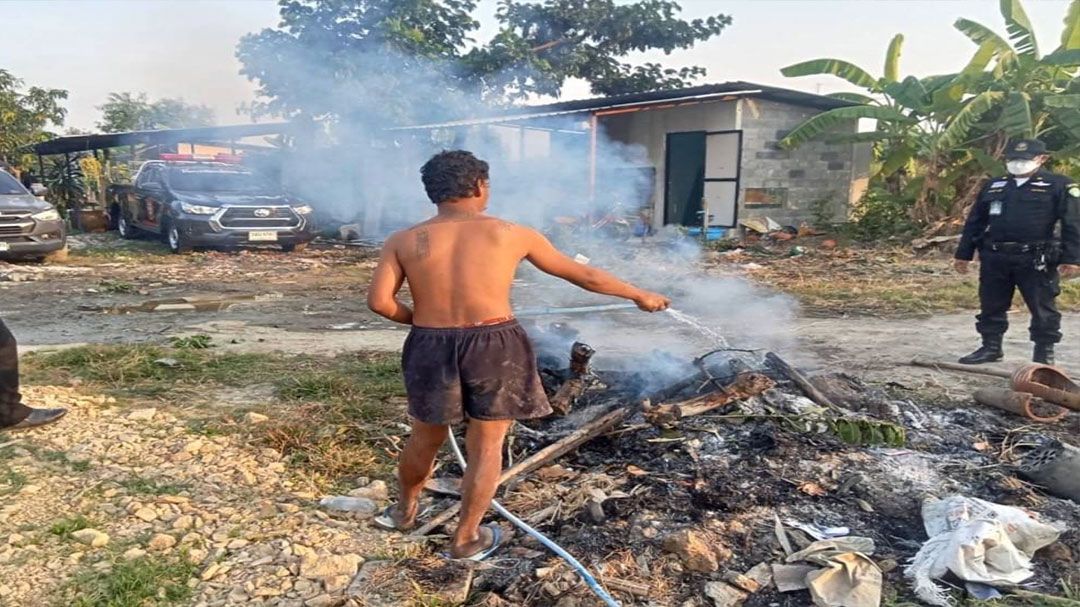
point(978, 370)
point(745, 386)
point(800, 380)
point(582, 435)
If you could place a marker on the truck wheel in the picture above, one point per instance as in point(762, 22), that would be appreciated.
point(294, 247)
point(126, 230)
point(175, 240)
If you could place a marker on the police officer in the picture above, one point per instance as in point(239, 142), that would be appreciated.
point(1026, 228)
point(14, 415)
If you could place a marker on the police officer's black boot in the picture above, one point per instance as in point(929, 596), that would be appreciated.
point(1044, 353)
point(990, 352)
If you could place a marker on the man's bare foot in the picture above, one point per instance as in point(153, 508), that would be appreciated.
point(485, 539)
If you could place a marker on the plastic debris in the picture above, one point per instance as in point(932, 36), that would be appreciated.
point(977, 541)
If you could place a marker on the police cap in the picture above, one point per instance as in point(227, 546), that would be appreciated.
point(1025, 149)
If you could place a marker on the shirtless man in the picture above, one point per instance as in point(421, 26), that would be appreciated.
point(466, 357)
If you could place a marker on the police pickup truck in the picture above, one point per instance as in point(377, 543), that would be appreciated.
point(190, 202)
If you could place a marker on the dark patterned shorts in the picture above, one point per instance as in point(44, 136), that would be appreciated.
point(486, 373)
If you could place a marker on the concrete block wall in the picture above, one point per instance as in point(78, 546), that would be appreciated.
point(814, 171)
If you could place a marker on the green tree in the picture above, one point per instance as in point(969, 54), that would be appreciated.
point(26, 116)
point(372, 60)
point(128, 112)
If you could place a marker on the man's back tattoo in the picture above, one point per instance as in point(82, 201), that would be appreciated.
point(423, 244)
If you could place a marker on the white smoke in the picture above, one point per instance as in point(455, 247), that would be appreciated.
point(362, 170)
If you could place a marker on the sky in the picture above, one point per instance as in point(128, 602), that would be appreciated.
point(185, 48)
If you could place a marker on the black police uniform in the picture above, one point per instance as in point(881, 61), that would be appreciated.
point(1013, 226)
point(12, 411)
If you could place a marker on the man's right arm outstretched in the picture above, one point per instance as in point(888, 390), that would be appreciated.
point(542, 254)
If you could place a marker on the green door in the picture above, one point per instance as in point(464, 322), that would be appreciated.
point(684, 178)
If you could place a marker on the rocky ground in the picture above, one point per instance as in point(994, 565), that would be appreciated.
point(112, 496)
point(191, 476)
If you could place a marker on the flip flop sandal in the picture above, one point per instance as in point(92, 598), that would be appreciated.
point(385, 521)
point(496, 543)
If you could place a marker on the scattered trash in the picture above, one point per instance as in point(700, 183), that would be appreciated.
point(791, 578)
point(818, 532)
point(851, 580)
point(1055, 466)
point(756, 225)
point(978, 542)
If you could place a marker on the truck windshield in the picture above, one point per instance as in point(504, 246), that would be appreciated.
point(191, 180)
point(9, 185)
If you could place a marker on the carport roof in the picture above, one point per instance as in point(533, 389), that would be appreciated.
point(83, 143)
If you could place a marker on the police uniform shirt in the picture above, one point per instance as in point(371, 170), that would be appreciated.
point(1006, 211)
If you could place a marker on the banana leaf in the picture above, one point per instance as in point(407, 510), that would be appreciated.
point(980, 34)
point(1070, 36)
point(1063, 101)
point(837, 67)
point(821, 123)
point(1015, 117)
point(892, 58)
point(1020, 29)
point(853, 98)
point(956, 132)
point(910, 93)
point(1063, 58)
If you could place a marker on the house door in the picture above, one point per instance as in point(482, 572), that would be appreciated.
point(702, 175)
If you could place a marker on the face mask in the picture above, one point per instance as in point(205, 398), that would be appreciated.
point(1022, 167)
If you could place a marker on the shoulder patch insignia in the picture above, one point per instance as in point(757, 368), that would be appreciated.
point(999, 184)
point(1040, 184)
point(1074, 190)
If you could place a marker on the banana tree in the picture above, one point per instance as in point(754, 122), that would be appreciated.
point(897, 128)
point(938, 136)
point(1023, 93)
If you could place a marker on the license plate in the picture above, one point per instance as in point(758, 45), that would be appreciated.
point(4, 247)
point(262, 236)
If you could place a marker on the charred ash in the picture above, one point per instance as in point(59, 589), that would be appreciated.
point(689, 489)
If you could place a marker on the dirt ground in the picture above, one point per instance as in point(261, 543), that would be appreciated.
point(243, 526)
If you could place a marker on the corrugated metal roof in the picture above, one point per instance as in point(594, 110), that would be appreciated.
point(83, 143)
point(708, 91)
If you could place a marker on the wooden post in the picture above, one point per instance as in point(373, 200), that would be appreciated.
point(594, 135)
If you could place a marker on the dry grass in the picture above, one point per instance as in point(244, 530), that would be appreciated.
point(333, 417)
point(871, 281)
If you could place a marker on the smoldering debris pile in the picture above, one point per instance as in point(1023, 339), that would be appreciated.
point(747, 483)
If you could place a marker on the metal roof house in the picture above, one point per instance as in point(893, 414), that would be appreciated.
point(709, 152)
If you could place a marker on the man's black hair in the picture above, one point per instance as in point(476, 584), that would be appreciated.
point(452, 174)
